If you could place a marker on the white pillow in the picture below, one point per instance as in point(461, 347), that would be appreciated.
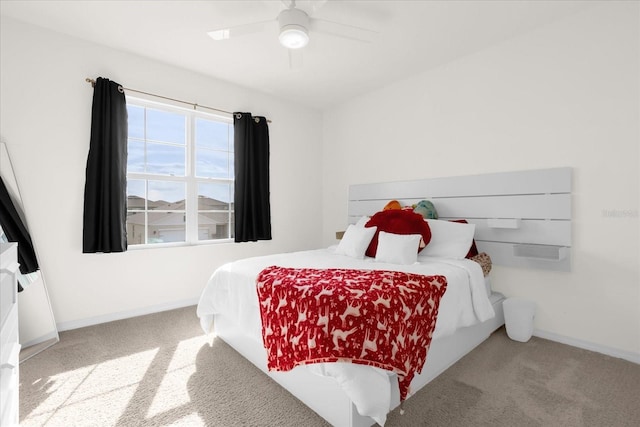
point(449, 239)
point(397, 248)
point(355, 241)
point(362, 221)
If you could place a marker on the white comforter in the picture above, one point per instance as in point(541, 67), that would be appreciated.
point(231, 291)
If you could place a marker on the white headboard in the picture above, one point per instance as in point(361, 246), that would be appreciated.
point(523, 219)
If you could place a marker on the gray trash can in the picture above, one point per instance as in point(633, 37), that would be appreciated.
point(518, 318)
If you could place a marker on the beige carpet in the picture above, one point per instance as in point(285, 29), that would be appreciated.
point(159, 370)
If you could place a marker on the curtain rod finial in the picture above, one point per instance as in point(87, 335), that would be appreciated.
point(89, 80)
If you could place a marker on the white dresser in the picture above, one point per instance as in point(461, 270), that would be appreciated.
point(9, 346)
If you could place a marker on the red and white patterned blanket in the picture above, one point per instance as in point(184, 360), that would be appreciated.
point(378, 318)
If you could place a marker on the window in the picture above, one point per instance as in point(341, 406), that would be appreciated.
point(179, 175)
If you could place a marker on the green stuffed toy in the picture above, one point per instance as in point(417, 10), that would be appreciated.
point(426, 209)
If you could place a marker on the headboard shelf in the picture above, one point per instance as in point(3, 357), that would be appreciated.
point(540, 252)
point(531, 207)
point(509, 223)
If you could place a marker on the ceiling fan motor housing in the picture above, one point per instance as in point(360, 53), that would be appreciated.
point(293, 28)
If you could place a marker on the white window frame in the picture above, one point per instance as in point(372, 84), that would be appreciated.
point(190, 180)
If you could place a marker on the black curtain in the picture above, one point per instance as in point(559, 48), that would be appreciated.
point(16, 231)
point(105, 191)
point(252, 206)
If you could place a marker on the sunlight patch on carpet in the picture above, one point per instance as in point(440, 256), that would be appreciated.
point(191, 420)
point(186, 351)
point(92, 395)
point(102, 410)
point(173, 390)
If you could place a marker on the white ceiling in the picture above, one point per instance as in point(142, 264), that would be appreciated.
point(413, 36)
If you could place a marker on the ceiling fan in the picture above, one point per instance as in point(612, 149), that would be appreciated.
point(294, 25)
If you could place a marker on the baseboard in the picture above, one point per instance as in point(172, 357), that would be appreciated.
point(586, 345)
point(36, 341)
point(90, 321)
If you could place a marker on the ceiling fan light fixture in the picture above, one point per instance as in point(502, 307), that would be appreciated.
point(293, 36)
point(293, 25)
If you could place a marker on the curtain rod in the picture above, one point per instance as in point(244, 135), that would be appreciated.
point(93, 84)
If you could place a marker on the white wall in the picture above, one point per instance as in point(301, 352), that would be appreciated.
point(45, 121)
point(563, 95)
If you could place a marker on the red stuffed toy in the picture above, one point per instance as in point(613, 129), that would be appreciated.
point(398, 222)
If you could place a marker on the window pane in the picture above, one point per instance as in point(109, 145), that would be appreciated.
point(135, 228)
point(160, 144)
point(164, 126)
point(135, 194)
point(166, 227)
point(165, 159)
point(215, 196)
point(214, 135)
point(166, 195)
point(136, 121)
point(213, 225)
point(212, 164)
point(135, 156)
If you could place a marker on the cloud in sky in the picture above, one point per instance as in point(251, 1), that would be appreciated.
point(157, 145)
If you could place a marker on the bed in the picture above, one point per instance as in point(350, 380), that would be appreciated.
point(353, 394)
point(522, 219)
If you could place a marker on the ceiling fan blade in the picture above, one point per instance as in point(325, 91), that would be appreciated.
point(295, 59)
point(342, 30)
point(240, 30)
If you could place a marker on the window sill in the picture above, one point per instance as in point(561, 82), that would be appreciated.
point(178, 244)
